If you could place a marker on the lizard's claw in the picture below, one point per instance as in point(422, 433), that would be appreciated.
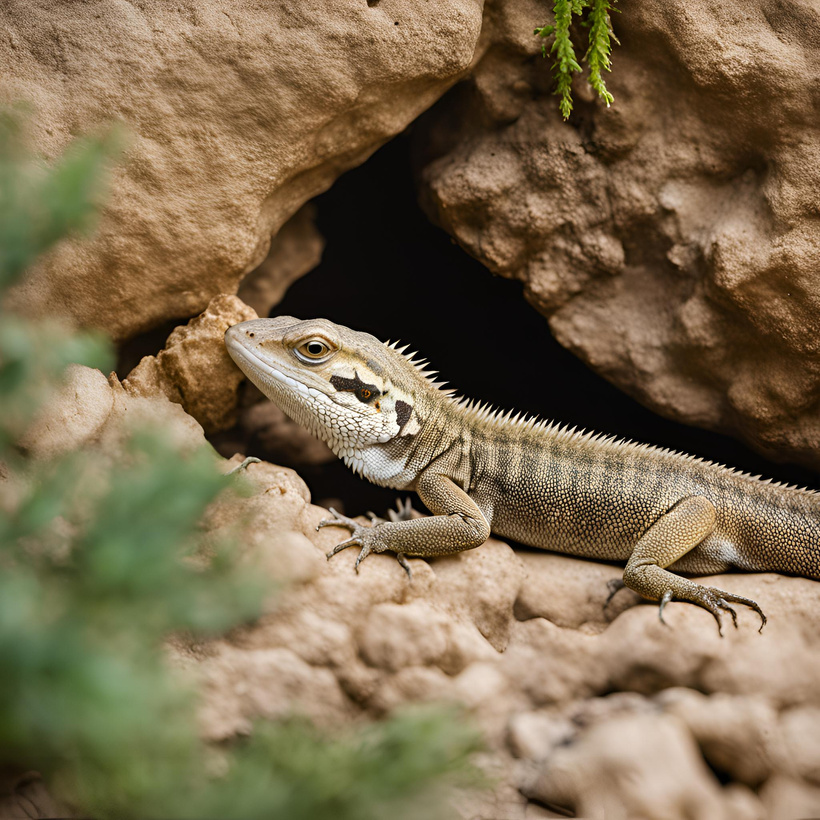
point(361, 536)
point(239, 468)
point(403, 511)
point(405, 565)
point(338, 520)
point(351, 542)
point(717, 602)
point(366, 537)
point(615, 585)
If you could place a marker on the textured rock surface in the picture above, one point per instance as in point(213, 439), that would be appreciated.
point(194, 369)
point(600, 710)
point(673, 240)
point(239, 112)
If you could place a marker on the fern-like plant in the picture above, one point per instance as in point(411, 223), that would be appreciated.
point(595, 16)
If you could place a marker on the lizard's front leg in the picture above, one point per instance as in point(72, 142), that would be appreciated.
point(457, 524)
point(674, 534)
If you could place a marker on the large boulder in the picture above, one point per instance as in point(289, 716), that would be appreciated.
point(238, 113)
point(672, 240)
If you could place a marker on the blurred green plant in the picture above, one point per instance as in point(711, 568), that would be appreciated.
point(595, 16)
point(96, 573)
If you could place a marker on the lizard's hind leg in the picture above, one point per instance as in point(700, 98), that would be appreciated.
point(674, 534)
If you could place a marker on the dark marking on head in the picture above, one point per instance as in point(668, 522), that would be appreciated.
point(375, 367)
point(403, 411)
point(363, 392)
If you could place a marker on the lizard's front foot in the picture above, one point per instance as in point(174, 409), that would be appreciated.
point(366, 537)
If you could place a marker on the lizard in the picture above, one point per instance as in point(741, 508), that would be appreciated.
point(478, 470)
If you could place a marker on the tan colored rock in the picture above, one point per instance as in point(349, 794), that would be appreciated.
point(73, 416)
point(645, 767)
point(90, 409)
point(672, 239)
point(790, 799)
point(801, 732)
point(295, 250)
point(740, 736)
point(244, 685)
point(238, 113)
point(194, 368)
point(415, 634)
point(269, 524)
point(569, 592)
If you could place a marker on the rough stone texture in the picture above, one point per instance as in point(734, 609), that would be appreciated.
point(238, 112)
point(91, 409)
point(611, 771)
point(295, 250)
point(603, 711)
point(194, 368)
point(672, 240)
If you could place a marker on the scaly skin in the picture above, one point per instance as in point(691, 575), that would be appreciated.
point(479, 472)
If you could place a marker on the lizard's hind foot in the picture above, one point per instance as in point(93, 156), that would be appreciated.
point(716, 601)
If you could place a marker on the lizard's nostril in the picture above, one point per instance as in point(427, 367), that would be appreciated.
point(250, 333)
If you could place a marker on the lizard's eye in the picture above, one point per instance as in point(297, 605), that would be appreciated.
point(314, 350)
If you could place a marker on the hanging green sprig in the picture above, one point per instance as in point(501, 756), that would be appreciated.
point(598, 52)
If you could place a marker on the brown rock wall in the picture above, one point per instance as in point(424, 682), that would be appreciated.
point(238, 113)
point(672, 241)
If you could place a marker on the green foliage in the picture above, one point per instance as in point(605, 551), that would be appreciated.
point(41, 204)
point(292, 771)
point(598, 52)
point(102, 560)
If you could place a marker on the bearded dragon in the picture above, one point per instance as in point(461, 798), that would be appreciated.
point(479, 471)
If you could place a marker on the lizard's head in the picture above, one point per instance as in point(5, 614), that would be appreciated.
point(346, 387)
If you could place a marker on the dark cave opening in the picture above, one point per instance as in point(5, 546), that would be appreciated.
point(388, 270)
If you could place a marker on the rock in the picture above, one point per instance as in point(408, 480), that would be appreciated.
point(739, 736)
point(633, 767)
point(92, 410)
point(269, 524)
point(535, 735)
point(237, 114)
point(73, 416)
point(242, 685)
point(295, 250)
point(801, 732)
point(569, 592)
point(670, 240)
point(790, 799)
point(194, 368)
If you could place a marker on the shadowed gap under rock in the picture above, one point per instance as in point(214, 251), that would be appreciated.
point(387, 270)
